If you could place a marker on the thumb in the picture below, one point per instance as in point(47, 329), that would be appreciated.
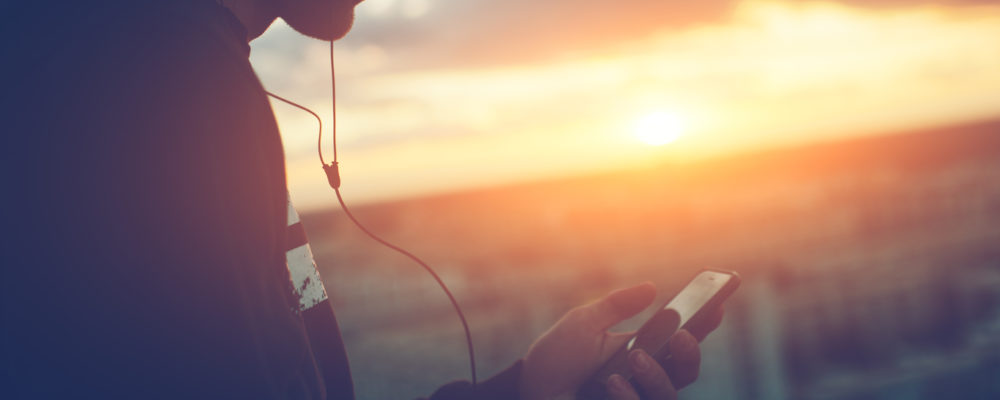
point(618, 305)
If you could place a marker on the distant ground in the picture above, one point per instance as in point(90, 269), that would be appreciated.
point(896, 233)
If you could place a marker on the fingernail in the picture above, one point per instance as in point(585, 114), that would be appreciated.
point(640, 360)
point(616, 383)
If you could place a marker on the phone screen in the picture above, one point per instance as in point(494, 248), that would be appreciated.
point(697, 294)
point(694, 297)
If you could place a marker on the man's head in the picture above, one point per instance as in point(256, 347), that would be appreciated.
point(321, 19)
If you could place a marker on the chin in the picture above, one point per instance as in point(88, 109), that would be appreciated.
point(321, 19)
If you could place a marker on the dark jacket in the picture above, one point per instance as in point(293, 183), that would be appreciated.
point(146, 214)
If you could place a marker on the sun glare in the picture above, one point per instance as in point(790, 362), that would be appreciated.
point(658, 128)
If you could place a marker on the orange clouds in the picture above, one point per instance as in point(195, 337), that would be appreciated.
point(769, 73)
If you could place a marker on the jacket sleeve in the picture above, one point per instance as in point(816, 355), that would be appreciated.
point(317, 313)
point(502, 386)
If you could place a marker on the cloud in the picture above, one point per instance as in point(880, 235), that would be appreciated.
point(480, 33)
point(483, 32)
point(914, 3)
point(422, 93)
point(391, 88)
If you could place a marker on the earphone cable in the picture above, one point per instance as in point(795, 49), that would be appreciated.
point(333, 109)
point(333, 169)
point(333, 176)
point(454, 303)
point(319, 141)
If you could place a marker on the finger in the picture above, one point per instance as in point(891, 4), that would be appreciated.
point(685, 359)
point(620, 389)
point(702, 326)
point(651, 377)
point(612, 342)
point(617, 306)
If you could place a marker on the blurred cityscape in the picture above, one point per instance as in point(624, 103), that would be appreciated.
point(871, 268)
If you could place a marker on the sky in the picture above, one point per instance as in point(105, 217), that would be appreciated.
point(446, 95)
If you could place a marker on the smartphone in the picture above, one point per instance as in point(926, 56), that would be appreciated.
point(701, 296)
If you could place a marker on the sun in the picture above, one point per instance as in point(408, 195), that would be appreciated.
point(658, 128)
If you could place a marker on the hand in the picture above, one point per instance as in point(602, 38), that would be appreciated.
point(579, 343)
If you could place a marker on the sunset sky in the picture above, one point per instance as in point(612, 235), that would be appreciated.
point(441, 95)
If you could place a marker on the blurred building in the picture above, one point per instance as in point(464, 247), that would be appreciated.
point(902, 304)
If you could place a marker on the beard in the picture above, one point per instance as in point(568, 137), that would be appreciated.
point(327, 20)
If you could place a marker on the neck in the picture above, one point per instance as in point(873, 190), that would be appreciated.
point(255, 15)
